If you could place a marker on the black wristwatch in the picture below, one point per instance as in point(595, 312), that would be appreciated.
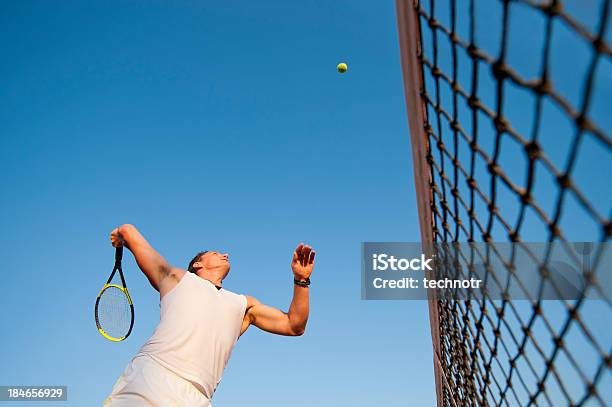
point(302, 283)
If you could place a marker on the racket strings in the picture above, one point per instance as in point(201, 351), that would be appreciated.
point(114, 312)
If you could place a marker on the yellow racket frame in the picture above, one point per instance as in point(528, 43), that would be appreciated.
point(127, 294)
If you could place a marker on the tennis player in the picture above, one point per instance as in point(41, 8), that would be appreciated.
point(182, 363)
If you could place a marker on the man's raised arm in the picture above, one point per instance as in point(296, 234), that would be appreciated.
point(292, 323)
point(152, 264)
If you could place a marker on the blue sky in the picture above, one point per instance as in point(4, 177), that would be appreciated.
point(208, 125)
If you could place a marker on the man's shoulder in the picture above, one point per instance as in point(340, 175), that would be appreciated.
point(251, 301)
point(234, 294)
point(241, 299)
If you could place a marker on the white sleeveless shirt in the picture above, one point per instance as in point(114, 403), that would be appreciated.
point(199, 326)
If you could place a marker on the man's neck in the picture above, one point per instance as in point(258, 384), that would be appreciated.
point(217, 282)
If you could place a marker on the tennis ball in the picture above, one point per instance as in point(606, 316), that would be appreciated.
point(342, 67)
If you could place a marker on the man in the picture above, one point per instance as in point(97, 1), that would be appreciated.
point(182, 363)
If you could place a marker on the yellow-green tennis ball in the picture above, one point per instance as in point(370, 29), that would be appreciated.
point(342, 67)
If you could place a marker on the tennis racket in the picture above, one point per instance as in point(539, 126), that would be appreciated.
point(114, 308)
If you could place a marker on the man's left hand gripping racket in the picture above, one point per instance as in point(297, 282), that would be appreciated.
point(114, 308)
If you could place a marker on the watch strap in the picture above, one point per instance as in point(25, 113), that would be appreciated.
point(302, 283)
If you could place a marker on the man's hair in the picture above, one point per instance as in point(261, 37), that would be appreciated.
point(195, 259)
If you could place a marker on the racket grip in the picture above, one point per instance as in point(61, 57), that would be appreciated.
point(118, 254)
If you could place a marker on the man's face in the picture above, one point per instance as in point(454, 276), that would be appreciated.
point(213, 260)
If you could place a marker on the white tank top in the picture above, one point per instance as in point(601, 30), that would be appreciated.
point(199, 326)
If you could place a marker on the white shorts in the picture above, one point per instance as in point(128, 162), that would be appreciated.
point(146, 383)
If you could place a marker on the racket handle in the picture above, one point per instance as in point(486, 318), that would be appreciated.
point(118, 254)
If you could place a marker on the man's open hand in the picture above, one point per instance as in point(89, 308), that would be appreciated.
point(303, 261)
